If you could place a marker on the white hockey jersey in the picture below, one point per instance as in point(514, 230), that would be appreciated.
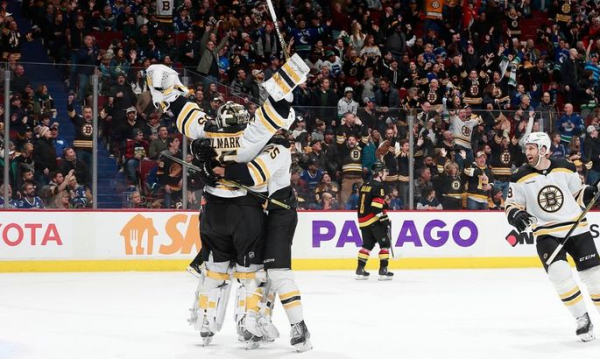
point(554, 196)
point(272, 168)
point(463, 130)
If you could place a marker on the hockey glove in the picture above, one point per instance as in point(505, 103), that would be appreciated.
point(522, 220)
point(384, 219)
point(202, 150)
point(206, 174)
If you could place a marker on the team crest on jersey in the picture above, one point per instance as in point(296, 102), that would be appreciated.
point(550, 198)
point(455, 185)
point(505, 157)
point(87, 129)
point(566, 8)
point(432, 97)
point(475, 90)
point(355, 154)
point(466, 131)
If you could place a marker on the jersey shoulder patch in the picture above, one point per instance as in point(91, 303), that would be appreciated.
point(521, 172)
point(563, 164)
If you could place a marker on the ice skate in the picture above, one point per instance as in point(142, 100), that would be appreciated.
point(205, 333)
point(268, 329)
point(300, 337)
point(252, 341)
point(362, 274)
point(385, 275)
point(585, 328)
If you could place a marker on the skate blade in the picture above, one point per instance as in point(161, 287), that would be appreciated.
point(587, 337)
point(206, 341)
point(253, 344)
point(384, 277)
point(303, 347)
point(362, 277)
point(193, 272)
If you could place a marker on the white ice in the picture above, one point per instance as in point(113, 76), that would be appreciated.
point(420, 314)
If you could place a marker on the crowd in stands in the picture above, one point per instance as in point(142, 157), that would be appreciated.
point(475, 76)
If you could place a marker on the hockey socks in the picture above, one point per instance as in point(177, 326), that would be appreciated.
point(363, 257)
point(289, 294)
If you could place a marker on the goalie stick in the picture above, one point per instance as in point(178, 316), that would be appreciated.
point(228, 183)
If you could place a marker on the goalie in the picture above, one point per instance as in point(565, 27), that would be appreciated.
point(235, 242)
point(547, 196)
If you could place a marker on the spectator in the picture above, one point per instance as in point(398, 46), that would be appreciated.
point(592, 150)
point(19, 81)
point(428, 201)
point(71, 162)
point(208, 66)
point(44, 155)
point(135, 151)
point(480, 183)
point(546, 113)
point(324, 102)
point(11, 203)
point(557, 148)
point(87, 57)
point(80, 196)
point(159, 144)
point(329, 203)
point(84, 131)
point(569, 125)
point(347, 103)
point(28, 199)
point(170, 174)
point(312, 175)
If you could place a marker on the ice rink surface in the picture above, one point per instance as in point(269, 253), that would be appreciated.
point(420, 314)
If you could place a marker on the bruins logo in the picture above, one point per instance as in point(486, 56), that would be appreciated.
point(497, 92)
point(515, 24)
point(566, 8)
point(353, 71)
point(466, 131)
point(474, 90)
point(87, 129)
point(505, 157)
point(432, 97)
point(550, 199)
point(435, 4)
point(455, 185)
point(355, 154)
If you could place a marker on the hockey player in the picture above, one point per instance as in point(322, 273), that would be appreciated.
point(374, 224)
point(224, 245)
point(273, 167)
point(546, 194)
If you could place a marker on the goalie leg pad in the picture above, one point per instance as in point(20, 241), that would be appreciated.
point(284, 81)
point(211, 298)
point(252, 279)
point(591, 278)
point(561, 276)
point(265, 322)
point(289, 294)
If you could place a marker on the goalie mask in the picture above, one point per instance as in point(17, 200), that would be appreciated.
point(231, 114)
point(164, 85)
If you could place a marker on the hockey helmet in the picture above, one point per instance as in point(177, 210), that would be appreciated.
point(540, 139)
point(378, 166)
point(231, 114)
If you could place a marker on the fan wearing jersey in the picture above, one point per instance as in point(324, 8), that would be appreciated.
point(547, 195)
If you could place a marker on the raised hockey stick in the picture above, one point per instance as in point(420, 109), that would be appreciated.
point(281, 40)
point(579, 219)
point(228, 183)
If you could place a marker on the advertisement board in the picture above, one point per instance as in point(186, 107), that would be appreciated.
point(168, 240)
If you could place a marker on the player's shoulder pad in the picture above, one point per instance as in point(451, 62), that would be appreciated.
point(563, 164)
point(521, 172)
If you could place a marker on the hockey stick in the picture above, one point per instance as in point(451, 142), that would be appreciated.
point(281, 40)
point(390, 239)
point(228, 183)
point(568, 236)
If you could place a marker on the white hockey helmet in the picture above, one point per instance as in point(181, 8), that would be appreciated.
point(541, 139)
point(231, 114)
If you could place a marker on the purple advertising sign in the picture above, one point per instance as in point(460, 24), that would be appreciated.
point(434, 233)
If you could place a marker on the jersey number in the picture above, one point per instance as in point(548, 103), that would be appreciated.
point(362, 204)
point(274, 152)
point(510, 193)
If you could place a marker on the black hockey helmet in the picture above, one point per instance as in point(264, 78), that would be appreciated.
point(378, 166)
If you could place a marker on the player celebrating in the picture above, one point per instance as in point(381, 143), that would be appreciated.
point(546, 194)
point(224, 245)
point(272, 166)
point(374, 224)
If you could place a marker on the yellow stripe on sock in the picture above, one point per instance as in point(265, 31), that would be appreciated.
point(569, 293)
point(292, 304)
point(289, 295)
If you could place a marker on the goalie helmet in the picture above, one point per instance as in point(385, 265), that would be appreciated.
point(164, 85)
point(540, 139)
point(231, 114)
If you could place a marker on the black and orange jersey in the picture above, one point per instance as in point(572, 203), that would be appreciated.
point(371, 203)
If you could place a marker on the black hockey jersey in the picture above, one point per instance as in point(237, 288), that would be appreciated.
point(371, 203)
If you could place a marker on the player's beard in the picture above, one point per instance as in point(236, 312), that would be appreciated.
point(534, 160)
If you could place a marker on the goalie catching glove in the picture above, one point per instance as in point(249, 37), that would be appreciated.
point(164, 86)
